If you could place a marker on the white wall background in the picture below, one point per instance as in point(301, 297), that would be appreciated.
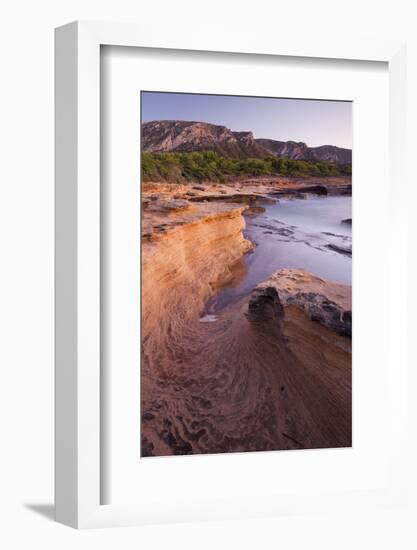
point(26, 288)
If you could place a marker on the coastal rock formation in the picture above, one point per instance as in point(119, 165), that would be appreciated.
point(324, 311)
point(169, 205)
point(290, 282)
point(265, 306)
point(262, 374)
point(245, 198)
point(302, 189)
point(185, 136)
point(340, 190)
point(325, 302)
point(184, 256)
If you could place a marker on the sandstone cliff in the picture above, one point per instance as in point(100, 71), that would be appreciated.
point(182, 261)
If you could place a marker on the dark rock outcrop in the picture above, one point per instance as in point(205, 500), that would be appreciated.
point(324, 311)
point(340, 190)
point(345, 251)
point(245, 198)
point(303, 189)
point(265, 306)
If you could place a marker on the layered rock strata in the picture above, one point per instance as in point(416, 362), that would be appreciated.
point(268, 373)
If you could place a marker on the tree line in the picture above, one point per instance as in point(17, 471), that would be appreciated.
point(199, 166)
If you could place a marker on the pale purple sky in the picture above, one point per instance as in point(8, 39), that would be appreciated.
point(316, 122)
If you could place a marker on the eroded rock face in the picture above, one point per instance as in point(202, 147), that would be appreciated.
point(184, 255)
point(324, 311)
point(325, 302)
point(265, 306)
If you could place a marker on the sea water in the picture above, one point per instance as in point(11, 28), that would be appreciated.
point(300, 233)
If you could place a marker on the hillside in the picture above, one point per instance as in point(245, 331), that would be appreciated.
point(300, 151)
point(162, 136)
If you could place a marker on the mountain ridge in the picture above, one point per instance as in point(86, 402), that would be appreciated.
point(160, 136)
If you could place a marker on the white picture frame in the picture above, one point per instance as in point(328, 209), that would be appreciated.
point(77, 242)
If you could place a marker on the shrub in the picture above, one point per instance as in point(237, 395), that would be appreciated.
point(209, 166)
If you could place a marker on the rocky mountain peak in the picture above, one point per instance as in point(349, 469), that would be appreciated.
point(186, 136)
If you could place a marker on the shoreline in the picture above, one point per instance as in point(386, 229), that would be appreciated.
point(192, 235)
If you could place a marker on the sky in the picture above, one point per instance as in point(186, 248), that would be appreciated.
point(316, 122)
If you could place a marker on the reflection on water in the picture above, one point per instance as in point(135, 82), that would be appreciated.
point(308, 234)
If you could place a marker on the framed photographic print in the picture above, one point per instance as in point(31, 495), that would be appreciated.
point(222, 349)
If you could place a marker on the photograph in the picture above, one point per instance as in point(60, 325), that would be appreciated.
point(246, 273)
point(208, 275)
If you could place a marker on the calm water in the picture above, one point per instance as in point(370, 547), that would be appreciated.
point(306, 234)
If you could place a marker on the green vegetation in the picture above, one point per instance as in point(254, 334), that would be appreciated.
point(209, 166)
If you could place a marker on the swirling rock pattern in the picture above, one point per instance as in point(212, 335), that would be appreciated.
point(263, 376)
